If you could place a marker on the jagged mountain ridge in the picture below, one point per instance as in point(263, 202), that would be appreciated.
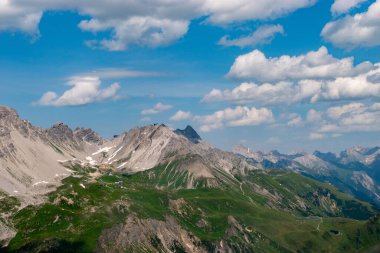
point(29, 156)
point(355, 170)
point(155, 177)
point(34, 160)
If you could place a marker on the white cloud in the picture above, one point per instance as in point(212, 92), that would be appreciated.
point(19, 17)
point(279, 93)
point(295, 120)
point(338, 111)
point(181, 116)
point(360, 30)
point(84, 90)
point(313, 65)
point(343, 6)
point(263, 35)
point(350, 87)
point(348, 118)
point(342, 88)
point(158, 108)
point(143, 31)
point(227, 11)
point(232, 117)
point(147, 22)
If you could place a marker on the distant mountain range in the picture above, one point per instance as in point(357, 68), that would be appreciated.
point(154, 189)
point(355, 170)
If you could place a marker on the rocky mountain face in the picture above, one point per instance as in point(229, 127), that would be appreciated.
point(143, 148)
point(355, 170)
point(153, 189)
point(33, 160)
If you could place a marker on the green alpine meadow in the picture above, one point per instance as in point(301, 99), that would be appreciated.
point(189, 126)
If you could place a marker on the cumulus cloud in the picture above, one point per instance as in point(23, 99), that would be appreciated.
point(158, 108)
point(286, 92)
point(263, 35)
point(295, 120)
point(315, 64)
point(348, 118)
point(339, 111)
point(359, 30)
point(226, 11)
point(150, 23)
point(282, 92)
point(232, 117)
point(343, 6)
point(181, 116)
point(21, 17)
point(84, 90)
point(143, 31)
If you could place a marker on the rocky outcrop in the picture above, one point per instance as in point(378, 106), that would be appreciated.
point(88, 135)
point(31, 157)
point(150, 235)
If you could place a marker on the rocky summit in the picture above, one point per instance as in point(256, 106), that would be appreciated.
point(154, 189)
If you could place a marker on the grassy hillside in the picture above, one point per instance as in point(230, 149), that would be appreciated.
point(275, 212)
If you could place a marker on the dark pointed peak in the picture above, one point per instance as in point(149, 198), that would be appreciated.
point(190, 134)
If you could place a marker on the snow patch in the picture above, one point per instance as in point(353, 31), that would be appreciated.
point(105, 149)
point(122, 165)
point(41, 182)
point(90, 160)
point(60, 175)
point(113, 155)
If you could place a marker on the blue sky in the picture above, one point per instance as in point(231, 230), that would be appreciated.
point(289, 75)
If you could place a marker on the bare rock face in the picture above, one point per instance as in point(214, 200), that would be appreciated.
point(7, 115)
point(61, 132)
point(32, 159)
point(88, 135)
point(6, 234)
point(144, 148)
point(152, 235)
point(6, 112)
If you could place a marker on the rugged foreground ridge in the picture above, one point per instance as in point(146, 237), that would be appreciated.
point(153, 189)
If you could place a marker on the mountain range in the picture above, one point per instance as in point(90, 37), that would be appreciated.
point(154, 189)
point(354, 171)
